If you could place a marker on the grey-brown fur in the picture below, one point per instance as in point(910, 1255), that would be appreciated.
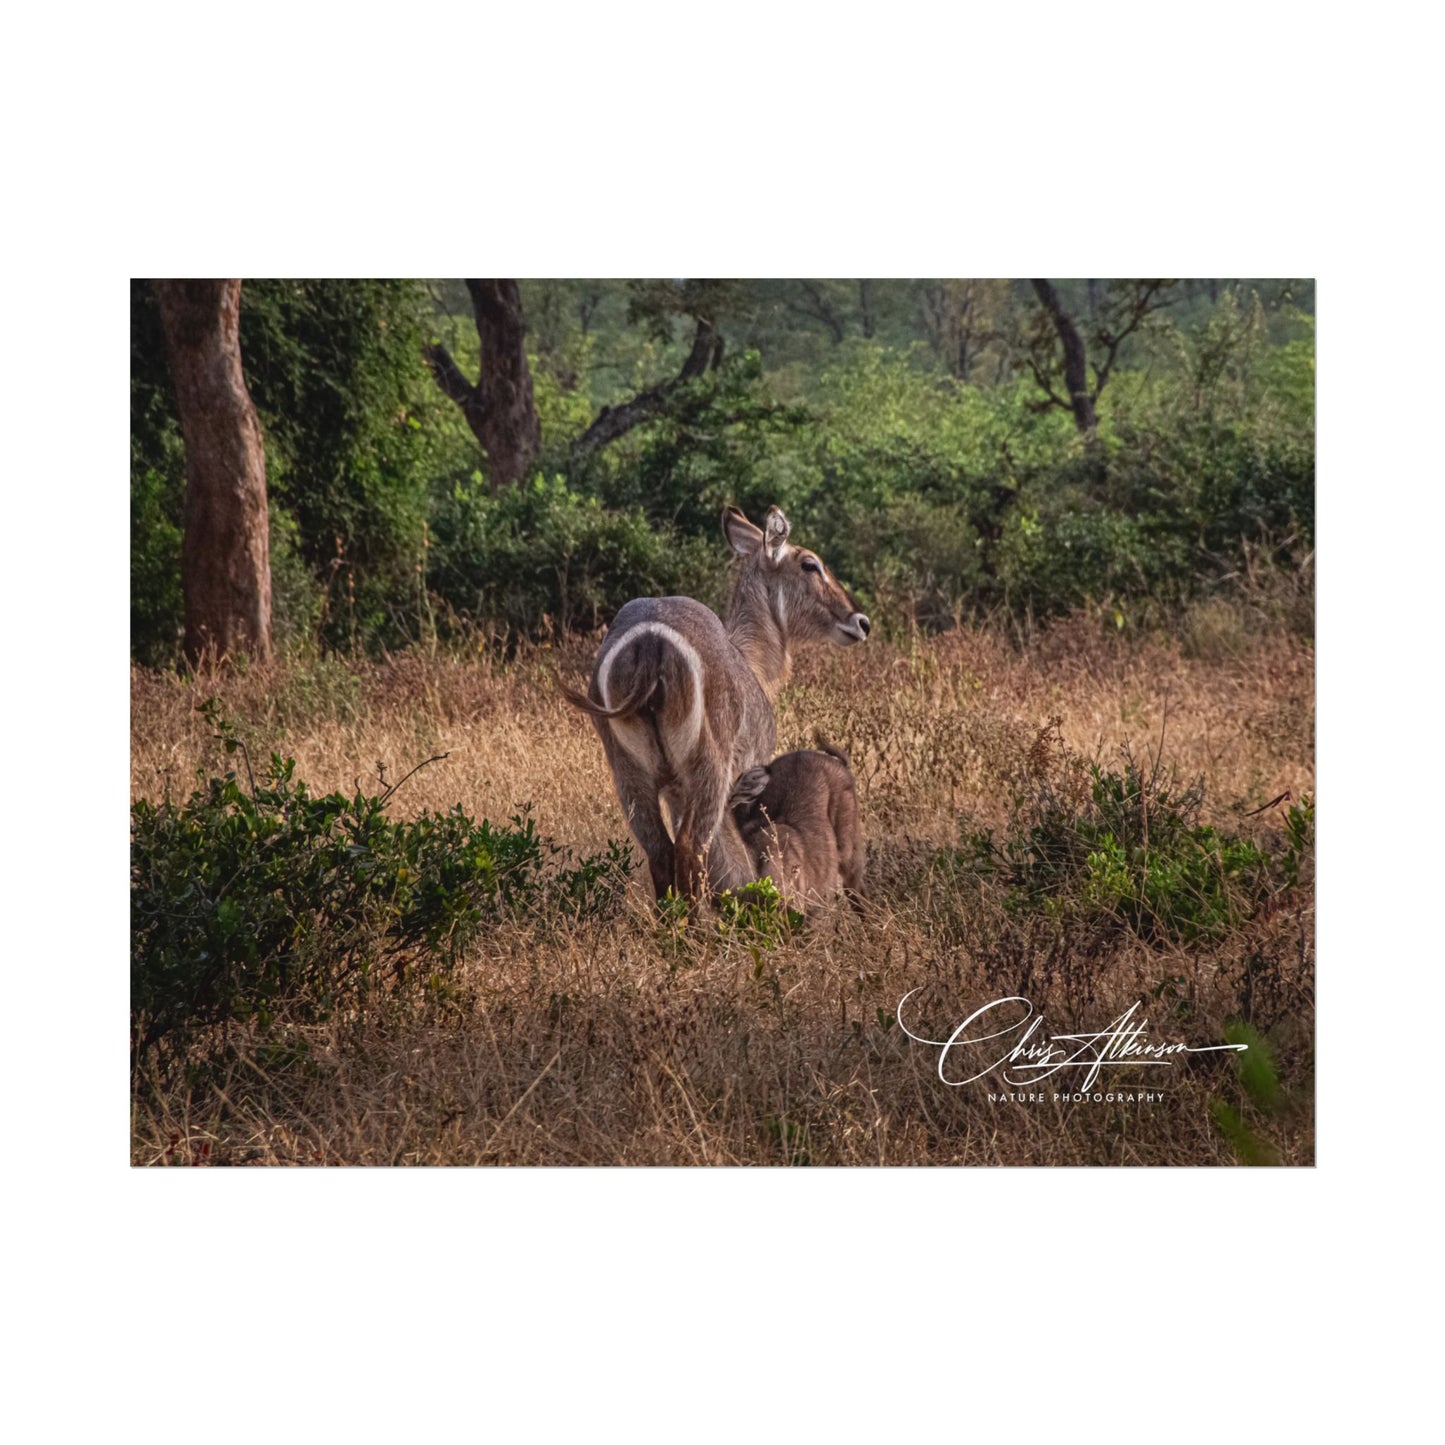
point(683, 703)
point(798, 819)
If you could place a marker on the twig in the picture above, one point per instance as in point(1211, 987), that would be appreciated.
point(435, 758)
point(246, 753)
point(1284, 797)
point(1163, 723)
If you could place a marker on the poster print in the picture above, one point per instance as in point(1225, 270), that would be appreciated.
point(691, 722)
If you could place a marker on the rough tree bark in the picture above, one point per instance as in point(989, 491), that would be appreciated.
point(1076, 362)
point(500, 408)
point(225, 555)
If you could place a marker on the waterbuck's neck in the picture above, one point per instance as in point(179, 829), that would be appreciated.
point(758, 633)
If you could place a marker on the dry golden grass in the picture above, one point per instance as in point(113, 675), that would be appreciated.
point(615, 1043)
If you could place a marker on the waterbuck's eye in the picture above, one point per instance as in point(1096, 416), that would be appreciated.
point(812, 564)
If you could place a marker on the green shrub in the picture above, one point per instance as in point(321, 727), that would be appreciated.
point(903, 479)
point(757, 912)
point(1258, 1075)
point(915, 560)
point(543, 555)
point(254, 897)
point(297, 600)
point(156, 613)
point(157, 489)
point(1132, 853)
point(1255, 1065)
point(594, 886)
point(1065, 551)
point(710, 449)
point(1249, 1147)
point(932, 497)
point(356, 434)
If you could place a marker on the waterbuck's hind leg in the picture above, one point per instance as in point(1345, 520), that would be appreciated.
point(705, 796)
point(644, 817)
point(729, 864)
point(638, 794)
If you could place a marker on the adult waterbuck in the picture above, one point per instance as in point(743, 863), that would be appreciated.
point(683, 702)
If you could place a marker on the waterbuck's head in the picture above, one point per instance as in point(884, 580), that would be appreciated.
point(788, 586)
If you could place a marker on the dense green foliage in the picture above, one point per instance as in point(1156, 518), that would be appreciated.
point(539, 556)
point(900, 424)
point(256, 898)
point(1127, 851)
point(356, 437)
point(758, 913)
point(1262, 1095)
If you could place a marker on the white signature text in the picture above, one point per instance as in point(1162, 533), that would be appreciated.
point(1007, 1037)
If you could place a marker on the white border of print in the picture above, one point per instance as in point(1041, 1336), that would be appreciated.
point(784, 141)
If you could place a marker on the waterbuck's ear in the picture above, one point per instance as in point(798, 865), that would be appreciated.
point(743, 537)
point(777, 531)
point(749, 788)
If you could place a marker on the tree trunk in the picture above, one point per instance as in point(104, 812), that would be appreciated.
point(865, 305)
point(225, 557)
point(500, 408)
point(1076, 373)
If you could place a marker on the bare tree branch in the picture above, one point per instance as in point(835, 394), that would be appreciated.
point(1143, 303)
point(614, 421)
point(815, 306)
point(1045, 386)
point(454, 385)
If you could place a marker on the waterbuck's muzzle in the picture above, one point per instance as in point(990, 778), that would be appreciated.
point(856, 628)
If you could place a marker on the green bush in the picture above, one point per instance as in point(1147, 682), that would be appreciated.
point(155, 565)
point(1065, 551)
point(757, 913)
point(251, 898)
point(356, 435)
point(903, 479)
point(936, 497)
point(1258, 1075)
point(709, 450)
point(542, 556)
point(1131, 853)
point(298, 600)
point(157, 490)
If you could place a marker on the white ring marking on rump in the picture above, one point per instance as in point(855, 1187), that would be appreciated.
point(680, 741)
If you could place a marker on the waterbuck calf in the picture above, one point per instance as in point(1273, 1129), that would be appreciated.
point(798, 819)
point(683, 702)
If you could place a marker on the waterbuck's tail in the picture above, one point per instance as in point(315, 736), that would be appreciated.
point(634, 702)
point(833, 752)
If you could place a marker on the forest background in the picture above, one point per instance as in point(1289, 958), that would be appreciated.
point(520, 457)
